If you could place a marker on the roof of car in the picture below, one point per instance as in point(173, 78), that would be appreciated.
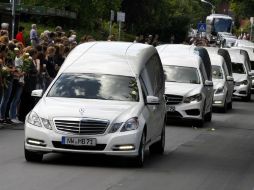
point(212, 50)
point(166, 49)
point(217, 60)
point(188, 61)
point(249, 50)
point(235, 55)
point(116, 58)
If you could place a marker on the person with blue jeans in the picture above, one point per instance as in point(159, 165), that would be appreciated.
point(18, 84)
point(6, 94)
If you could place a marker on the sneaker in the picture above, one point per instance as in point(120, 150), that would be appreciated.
point(16, 121)
point(8, 122)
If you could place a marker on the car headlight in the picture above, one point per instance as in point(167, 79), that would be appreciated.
point(194, 98)
point(34, 119)
point(115, 127)
point(219, 90)
point(131, 124)
point(46, 123)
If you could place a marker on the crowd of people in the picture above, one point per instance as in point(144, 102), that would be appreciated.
point(26, 66)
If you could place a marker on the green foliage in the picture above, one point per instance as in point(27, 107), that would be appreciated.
point(164, 17)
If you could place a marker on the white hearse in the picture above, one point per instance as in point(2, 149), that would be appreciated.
point(250, 51)
point(108, 98)
point(241, 74)
point(222, 78)
point(189, 91)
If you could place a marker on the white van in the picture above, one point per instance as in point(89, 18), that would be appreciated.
point(222, 78)
point(189, 92)
point(108, 98)
point(241, 74)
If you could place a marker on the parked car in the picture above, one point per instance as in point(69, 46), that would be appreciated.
point(108, 98)
point(241, 74)
point(222, 78)
point(189, 90)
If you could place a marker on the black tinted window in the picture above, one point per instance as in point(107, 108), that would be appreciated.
point(238, 68)
point(93, 86)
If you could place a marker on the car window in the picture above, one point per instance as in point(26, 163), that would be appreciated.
point(181, 74)
point(217, 72)
point(238, 68)
point(252, 65)
point(95, 86)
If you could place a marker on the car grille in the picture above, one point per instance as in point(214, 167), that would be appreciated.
point(173, 99)
point(174, 115)
point(82, 126)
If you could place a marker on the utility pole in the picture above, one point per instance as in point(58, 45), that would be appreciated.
point(13, 18)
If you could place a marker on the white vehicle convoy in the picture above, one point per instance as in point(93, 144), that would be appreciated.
point(250, 51)
point(241, 74)
point(222, 78)
point(108, 98)
point(189, 91)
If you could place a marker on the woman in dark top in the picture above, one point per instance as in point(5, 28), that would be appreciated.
point(50, 62)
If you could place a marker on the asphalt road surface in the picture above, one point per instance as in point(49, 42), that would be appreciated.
point(219, 156)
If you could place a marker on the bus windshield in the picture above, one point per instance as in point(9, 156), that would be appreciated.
point(222, 25)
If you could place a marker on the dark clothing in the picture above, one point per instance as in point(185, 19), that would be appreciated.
point(59, 60)
point(50, 66)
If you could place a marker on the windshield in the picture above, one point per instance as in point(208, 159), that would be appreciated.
point(95, 86)
point(238, 68)
point(252, 65)
point(181, 74)
point(222, 25)
point(217, 72)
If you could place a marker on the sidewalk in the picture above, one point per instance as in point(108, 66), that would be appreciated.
point(12, 126)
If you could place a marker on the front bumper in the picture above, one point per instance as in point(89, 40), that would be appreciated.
point(241, 91)
point(51, 142)
point(185, 111)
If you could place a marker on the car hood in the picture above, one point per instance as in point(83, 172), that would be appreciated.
point(182, 89)
point(218, 83)
point(50, 108)
point(239, 77)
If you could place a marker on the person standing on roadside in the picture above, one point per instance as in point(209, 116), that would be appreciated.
point(18, 84)
point(20, 36)
point(34, 36)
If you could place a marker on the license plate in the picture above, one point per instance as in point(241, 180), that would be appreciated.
point(171, 108)
point(78, 141)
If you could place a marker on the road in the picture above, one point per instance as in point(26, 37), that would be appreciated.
point(195, 159)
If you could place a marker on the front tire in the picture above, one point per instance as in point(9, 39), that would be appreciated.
point(140, 159)
point(159, 147)
point(33, 156)
point(248, 97)
point(230, 106)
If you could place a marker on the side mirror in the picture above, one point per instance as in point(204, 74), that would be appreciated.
point(230, 78)
point(208, 83)
point(152, 100)
point(37, 93)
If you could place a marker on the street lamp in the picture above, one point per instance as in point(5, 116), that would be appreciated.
point(207, 2)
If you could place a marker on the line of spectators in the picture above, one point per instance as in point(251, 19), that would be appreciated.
point(26, 68)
